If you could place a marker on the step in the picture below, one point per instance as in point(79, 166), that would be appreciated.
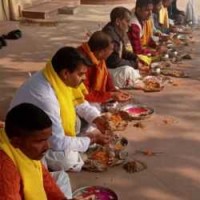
point(34, 3)
point(48, 9)
point(68, 10)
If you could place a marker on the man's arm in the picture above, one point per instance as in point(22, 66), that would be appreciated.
point(87, 111)
point(95, 96)
point(10, 181)
point(134, 37)
point(115, 61)
point(59, 140)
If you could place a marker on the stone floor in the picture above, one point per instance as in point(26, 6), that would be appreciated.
point(173, 175)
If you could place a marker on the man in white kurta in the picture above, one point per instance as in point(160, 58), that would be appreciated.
point(65, 149)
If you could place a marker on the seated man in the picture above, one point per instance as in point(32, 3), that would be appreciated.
point(58, 89)
point(23, 143)
point(175, 14)
point(122, 63)
point(98, 79)
point(164, 20)
point(157, 5)
point(141, 29)
point(163, 14)
point(159, 31)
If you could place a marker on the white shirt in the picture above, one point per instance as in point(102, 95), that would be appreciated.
point(38, 91)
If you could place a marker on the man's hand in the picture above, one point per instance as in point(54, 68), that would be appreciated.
point(97, 137)
point(101, 123)
point(120, 96)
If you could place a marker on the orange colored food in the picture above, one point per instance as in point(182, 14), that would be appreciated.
point(100, 156)
point(116, 118)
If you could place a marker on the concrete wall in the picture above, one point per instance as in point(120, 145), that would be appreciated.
point(11, 9)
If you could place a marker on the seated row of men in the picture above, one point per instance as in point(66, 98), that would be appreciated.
point(54, 102)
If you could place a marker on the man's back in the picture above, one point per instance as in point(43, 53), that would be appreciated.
point(35, 90)
point(39, 92)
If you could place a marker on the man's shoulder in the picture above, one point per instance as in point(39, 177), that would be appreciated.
point(38, 80)
point(7, 166)
point(37, 91)
point(36, 85)
point(5, 159)
point(110, 30)
point(10, 179)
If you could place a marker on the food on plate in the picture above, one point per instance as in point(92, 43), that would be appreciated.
point(152, 85)
point(101, 156)
point(137, 111)
point(116, 121)
point(174, 73)
point(95, 193)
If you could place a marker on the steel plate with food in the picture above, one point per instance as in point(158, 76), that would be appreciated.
point(116, 121)
point(138, 111)
point(174, 73)
point(152, 84)
point(95, 193)
point(100, 158)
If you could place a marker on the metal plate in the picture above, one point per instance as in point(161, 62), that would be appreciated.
point(137, 111)
point(97, 193)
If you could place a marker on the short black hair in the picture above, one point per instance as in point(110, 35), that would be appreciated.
point(68, 58)
point(119, 13)
point(155, 2)
point(99, 40)
point(143, 3)
point(24, 119)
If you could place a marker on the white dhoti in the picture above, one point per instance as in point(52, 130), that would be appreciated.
point(191, 12)
point(125, 76)
point(64, 160)
point(62, 180)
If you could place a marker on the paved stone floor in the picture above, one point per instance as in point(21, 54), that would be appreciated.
point(173, 175)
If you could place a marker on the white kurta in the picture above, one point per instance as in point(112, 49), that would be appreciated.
point(39, 92)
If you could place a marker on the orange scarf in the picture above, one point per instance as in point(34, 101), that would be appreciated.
point(147, 32)
point(101, 72)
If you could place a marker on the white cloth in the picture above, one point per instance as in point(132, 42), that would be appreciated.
point(62, 180)
point(191, 12)
point(87, 111)
point(64, 160)
point(125, 76)
point(39, 92)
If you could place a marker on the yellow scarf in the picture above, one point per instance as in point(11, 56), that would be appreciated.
point(147, 32)
point(101, 73)
point(164, 17)
point(30, 170)
point(67, 97)
point(145, 59)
